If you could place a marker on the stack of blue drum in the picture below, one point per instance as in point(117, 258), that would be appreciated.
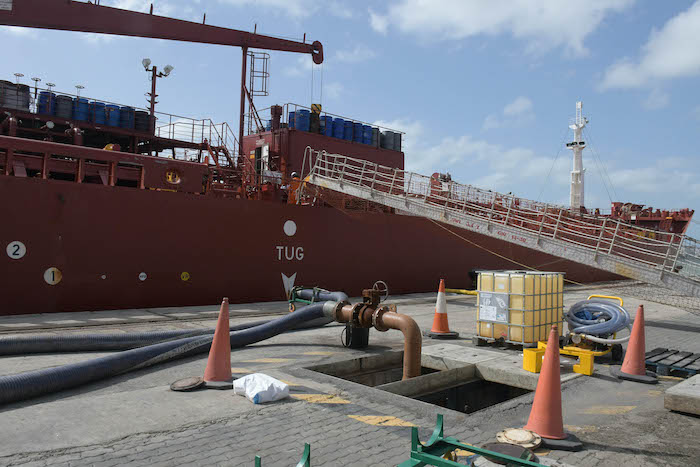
point(336, 128)
point(302, 119)
point(81, 109)
point(47, 103)
point(99, 114)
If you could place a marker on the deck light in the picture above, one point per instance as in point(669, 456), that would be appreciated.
point(146, 62)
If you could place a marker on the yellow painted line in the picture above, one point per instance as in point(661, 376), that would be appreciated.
point(671, 378)
point(542, 451)
point(268, 360)
point(241, 370)
point(581, 429)
point(381, 420)
point(654, 392)
point(319, 353)
point(609, 409)
point(320, 398)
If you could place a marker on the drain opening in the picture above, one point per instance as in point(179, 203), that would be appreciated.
point(457, 389)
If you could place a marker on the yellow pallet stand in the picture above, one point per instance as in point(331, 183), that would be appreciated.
point(532, 358)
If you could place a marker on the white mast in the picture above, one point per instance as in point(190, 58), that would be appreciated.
point(577, 146)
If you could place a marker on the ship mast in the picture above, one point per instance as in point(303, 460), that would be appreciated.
point(577, 145)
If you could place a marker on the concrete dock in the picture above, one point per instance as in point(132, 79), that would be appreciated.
point(135, 419)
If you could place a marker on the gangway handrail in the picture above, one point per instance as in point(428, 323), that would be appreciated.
point(602, 242)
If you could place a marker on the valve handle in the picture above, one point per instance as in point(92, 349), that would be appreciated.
point(383, 289)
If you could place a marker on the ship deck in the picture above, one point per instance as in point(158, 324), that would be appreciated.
point(136, 419)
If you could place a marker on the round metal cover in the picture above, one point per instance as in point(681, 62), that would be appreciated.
point(187, 384)
point(503, 448)
point(521, 437)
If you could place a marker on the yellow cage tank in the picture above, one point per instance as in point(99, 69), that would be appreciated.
point(519, 306)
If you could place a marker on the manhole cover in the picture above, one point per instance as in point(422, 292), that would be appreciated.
point(520, 436)
point(187, 384)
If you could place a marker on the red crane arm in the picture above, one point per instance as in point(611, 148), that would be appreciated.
point(70, 15)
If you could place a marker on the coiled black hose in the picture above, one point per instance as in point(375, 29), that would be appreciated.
point(31, 384)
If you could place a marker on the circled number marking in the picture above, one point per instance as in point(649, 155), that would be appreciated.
point(143, 276)
point(185, 276)
point(16, 249)
point(53, 276)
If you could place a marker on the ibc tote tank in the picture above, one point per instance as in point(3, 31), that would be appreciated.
point(519, 306)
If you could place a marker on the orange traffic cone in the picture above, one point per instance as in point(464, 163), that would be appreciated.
point(441, 328)
point(545, 416)
point(633, 366)
point(218, 372)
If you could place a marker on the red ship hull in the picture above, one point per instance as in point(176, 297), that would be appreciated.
point(104, 240)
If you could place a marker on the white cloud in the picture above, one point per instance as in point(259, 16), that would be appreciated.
point(519, 106)
point(378, 22)
point(671, 52)
point(358, 54)
point(303, 67)
point(295, 9)
point(517, 113)
point(657, 100)
point(542, 25)
point(333, 90)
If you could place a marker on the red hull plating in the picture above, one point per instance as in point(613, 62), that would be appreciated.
point(102, 238)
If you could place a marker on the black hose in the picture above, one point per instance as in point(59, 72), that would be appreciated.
point(320, 295)
point(30, 384)
point(28, 344)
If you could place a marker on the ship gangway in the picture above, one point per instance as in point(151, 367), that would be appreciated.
point(659, 258)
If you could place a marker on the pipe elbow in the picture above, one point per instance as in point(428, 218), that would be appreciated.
point(413, 341)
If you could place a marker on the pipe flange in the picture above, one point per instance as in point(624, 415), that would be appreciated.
point(377, 317)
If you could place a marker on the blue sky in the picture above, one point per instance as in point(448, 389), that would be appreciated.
point(483, 90)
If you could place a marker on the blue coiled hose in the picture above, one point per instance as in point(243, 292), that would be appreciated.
point(31, 384)
point(598, 320)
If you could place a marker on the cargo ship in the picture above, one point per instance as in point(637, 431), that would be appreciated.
point(108, 206)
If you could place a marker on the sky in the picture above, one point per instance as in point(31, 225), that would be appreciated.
point(483, 90)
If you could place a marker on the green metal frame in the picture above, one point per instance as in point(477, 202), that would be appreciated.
point(304, 462)
point(438, 445)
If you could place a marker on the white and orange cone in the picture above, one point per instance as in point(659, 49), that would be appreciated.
point(441, 328)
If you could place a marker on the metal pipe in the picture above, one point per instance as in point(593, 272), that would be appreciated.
point(368, 316)
point(412, 341)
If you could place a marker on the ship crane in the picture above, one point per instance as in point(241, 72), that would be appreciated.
point(70, 15)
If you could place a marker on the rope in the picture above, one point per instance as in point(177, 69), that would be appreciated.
point(493, 252)
point(597, 159)
point(561, 145)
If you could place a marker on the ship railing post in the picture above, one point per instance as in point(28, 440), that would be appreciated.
point(491, 211)
point(678, 251)
point(393, 180)
point(600, 239)
point(142, 178)
point(80, 169)
point(374, 179)
point(45, 166)
point(556, 226)
point(407, 187)
point(612, 240)
point(510, 206)
point(362, 173)
point(668, 253)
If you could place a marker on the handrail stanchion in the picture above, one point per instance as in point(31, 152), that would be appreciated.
point(612, 240)
point(600, 239)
